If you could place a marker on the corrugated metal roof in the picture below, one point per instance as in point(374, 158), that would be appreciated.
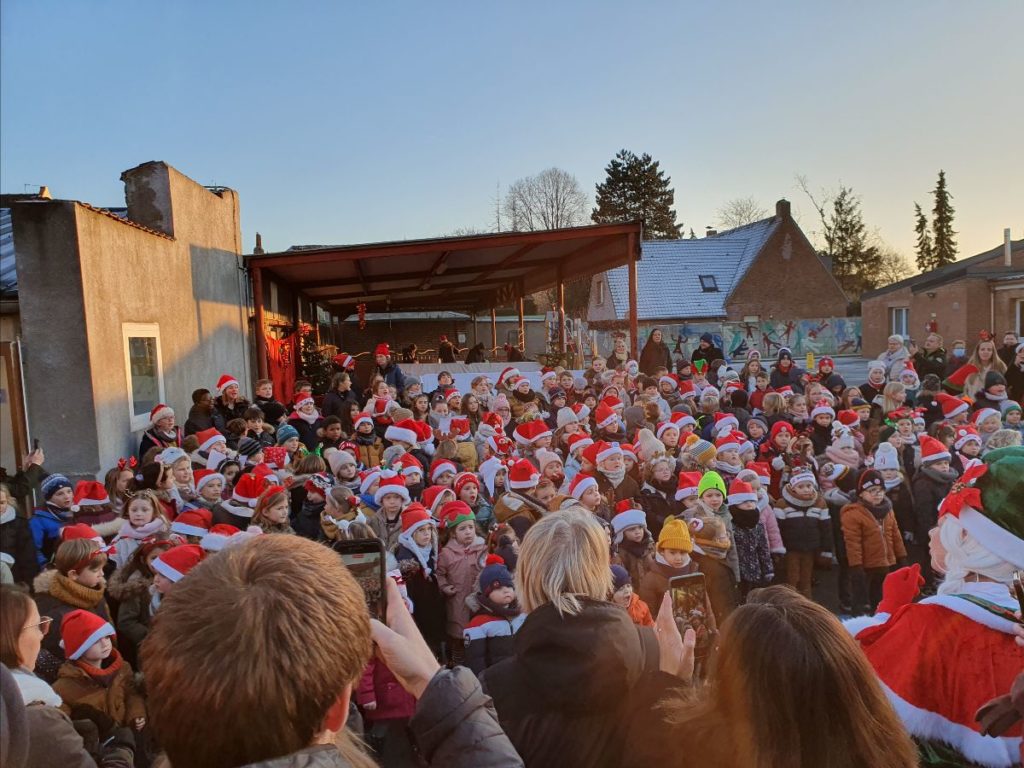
point(8, 267)
point(669, 273)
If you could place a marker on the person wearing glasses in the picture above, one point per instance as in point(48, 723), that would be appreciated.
point(38, 732)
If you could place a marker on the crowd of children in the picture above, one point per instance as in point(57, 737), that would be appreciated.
point(706, 469)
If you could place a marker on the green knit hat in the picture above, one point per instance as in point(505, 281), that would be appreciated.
point(711, 481)
point(1012, 405)
point(999, 525)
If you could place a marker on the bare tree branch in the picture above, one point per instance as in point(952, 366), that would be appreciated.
point(740, 211)
point(553, 199)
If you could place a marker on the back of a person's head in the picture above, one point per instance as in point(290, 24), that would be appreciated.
point(563, 557)
point(798, 691)
point(249, 652)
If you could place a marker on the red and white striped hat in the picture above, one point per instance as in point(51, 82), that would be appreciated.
point(580, 484)
point(224, 382)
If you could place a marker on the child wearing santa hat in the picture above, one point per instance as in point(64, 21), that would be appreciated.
point(490, 633)
point(467, 488)
point(518, 506)
point(417, 554)
point(931, 484)
point(94, 674)
point(749, 538)
point(391, 497)
point(369, 447)
point(458, 567)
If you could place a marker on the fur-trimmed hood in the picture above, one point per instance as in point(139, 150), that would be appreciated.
point(123, 590)
point(41, 583)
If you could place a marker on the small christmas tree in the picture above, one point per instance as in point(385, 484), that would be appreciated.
point(314, 362)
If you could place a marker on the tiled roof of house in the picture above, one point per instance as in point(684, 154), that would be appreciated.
point(670, 271)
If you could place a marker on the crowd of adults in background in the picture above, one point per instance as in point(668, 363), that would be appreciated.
point(757, 561)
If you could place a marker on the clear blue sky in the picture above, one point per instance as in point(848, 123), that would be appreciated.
point(345, 122)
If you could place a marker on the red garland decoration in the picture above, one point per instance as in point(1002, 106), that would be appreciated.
point(361, 311)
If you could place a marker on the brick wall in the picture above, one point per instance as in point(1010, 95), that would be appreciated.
point(787, 281)
point(425, 333)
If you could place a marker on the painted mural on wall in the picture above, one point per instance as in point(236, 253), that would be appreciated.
point(821, 336)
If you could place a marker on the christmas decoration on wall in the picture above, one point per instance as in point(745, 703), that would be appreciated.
point(361, 311)
point(314, 360)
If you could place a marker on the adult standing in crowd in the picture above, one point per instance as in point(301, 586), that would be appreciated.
point(1015, 374)
point(931, 359)
point(655, 354)
point(388, 369)
point(786, 374)
point(447, 352)
point(706, 350)
point(894, 356)
point(339, 398)
point(780, 656)
point(620, 353)
point(207, 707)
point(1008, 351)
point(565, 696)
point(200, 415)
point(229, 403)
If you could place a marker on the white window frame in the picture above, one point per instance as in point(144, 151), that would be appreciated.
point(600, 291)
point(141, 330)
point(1018, 314)
point(894, 312)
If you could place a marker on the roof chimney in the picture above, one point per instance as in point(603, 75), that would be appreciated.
point(258, 250)
point(1007, 248)
point(709, 232)
point(782, 209)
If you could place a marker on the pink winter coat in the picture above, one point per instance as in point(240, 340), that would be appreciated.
point(458, 569)
point(379, 685)
point(771, 525)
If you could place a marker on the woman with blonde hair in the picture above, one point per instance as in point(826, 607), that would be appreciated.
point(781, 657)
point(566, 694)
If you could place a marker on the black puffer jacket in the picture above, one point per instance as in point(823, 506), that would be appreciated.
point(658, 505)
point(565, 698)
point(930, 488)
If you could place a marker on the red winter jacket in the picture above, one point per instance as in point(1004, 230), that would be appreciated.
point(379, 685)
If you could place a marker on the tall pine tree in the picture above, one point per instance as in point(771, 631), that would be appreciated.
point(944, 240)
point(637, 188)
point(924, 249)
point(856, 263)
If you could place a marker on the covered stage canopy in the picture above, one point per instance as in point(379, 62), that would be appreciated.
point(471, 274)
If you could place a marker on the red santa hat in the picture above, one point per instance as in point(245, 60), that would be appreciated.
point(218, 537)
point(80, 630)
point(403, 431)
point(210, 437)
point(382, 349)
point(932, 450)
point(582, 411)
point(463, 479)
point(439, 466)
point(193, 522)
point(964, 435)
point(345, 361)
point(450, 394)
point(304, 400)
point(848, 418)
point(602, 450)
point(523, 475)
point(580, 484)
point(627, 514)
point(506, 375)
point(79, 531)
point(958, 378)
point(459, 427)
point(424, 432)
point(408, 464)
point(983, 413)
point(725, 422)
point(682, 419)
point(547, 373)
point(529, 432)
point(604, 415)
point(414, 517)
point(160, 411)
point(951, 406)
point(89, 493)
point(368, 477)
point(613, 402)
point(727, 442)
point(821, 408)
point(175, 563)
point(628, 449)
point(687, 389)
point(248, 489)
point(391, 482)
point(580, 440)
point(436, 495)
point(264, 472)
point(687, 486)
point(664, 426)
point(203, 476)
point(740, 492)
point(671, 379)
point(761, 469)
point(224, 382)
point(500, 445)
point(454, 513)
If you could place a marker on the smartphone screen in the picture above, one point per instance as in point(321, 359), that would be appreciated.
point(689, 605)
point(365, 561)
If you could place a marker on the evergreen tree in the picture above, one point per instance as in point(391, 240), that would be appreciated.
point(944, 240)
point(856, 263)
point(924, 249)
point(637, 188)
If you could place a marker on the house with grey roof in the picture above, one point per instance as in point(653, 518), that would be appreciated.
point(765, 273)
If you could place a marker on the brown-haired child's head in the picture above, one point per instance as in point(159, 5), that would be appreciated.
point(81, 561)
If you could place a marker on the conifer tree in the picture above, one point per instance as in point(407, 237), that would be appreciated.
point(924, 249)
point(943, 236)
point(636, 188)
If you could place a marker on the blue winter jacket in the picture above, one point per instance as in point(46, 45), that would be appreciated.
point(45, 524)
